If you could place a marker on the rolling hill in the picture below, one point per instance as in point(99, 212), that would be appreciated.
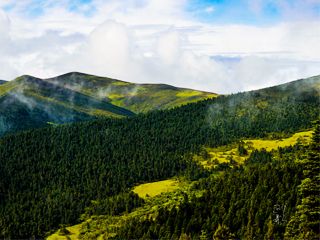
point(28, 102)
point(139, 98)
point(54, 175)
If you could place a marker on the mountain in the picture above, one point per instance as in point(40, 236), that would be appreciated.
point(2, 82)
point(139, 98)
point(65, 174)
point(28, 102)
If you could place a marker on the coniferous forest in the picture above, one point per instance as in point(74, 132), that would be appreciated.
point(254, 201)
point(50, 176)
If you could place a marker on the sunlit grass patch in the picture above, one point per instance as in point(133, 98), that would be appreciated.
point(156, 188)
point(211, 157)
point(216, 156)
point(72, 233)
point(115, 95)
point(7, 87)
point(269, 145)
point(188, 93)
point(121, 83)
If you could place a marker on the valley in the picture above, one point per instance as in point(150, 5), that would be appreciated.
point(82, 174)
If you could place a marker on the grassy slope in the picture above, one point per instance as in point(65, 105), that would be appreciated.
point(29, 102)
point(157, 192)
point(73, 234)
point(135, 97)
point(269, 145)
point(102, 227)
point(223, 154)
point(156, 188)
point(8, 86)
point(169, 192)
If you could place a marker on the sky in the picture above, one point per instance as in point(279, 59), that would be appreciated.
point(213, 45)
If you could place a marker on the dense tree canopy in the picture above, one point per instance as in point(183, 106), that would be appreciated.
point(49, 176)
point(264, 199)
point(305, 224)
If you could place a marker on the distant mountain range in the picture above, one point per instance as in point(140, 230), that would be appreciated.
point(29, 102)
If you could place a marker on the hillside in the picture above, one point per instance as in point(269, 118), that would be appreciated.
point(55, 174)
point(139, 98)
point(29, 102)
point(2, 82)
point(161, 198)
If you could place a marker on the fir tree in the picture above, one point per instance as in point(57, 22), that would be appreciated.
point(305, 224)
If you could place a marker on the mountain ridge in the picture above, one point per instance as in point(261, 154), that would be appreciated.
point(28, 102)
point(137, 97)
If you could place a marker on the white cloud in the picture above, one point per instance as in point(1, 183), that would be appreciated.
point(4, 30)
point(156, 41)
point(258, 72)
point(108, 47)
point(168, 47)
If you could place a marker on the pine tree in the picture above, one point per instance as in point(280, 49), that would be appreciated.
point(184, 236)
point(223, 233)
point(270, 232)
point(204, 235)
point(305, 224)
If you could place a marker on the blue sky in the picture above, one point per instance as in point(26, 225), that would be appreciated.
point(233, 11)
point(214, 45)
point(254, 12)
point(36, 8)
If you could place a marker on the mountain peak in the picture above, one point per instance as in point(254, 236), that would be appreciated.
point(70, 74)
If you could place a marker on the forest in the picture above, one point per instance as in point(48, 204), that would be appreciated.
point(49, 176)
point(274, 199)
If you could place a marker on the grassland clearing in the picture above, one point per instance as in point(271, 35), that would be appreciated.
point(212, 157)
point(162, 193)
point(269, 145)
point(156, 188)
point(73, 233)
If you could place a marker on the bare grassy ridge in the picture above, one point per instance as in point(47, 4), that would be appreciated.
point(139, 98)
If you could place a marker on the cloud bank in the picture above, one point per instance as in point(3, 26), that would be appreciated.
point(158, 42)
